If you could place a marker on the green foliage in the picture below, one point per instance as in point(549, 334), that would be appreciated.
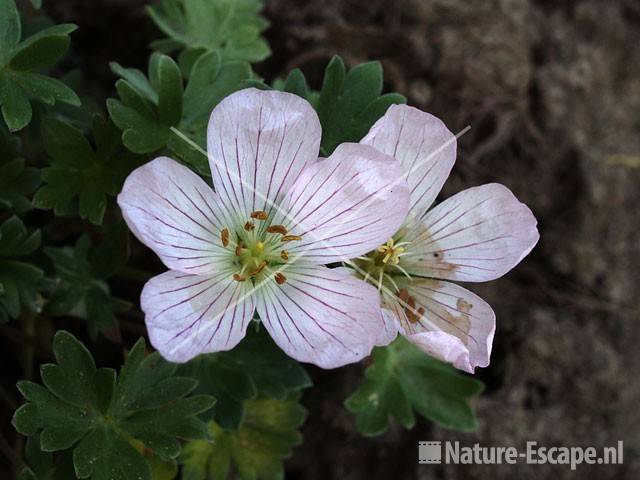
point(20, 80)
point(403, 379)
point(81, 172)
point(255, 451)
point(17, 182)
point(88, 409)
point(19, 279)
point(255, 366)
point(230, 27)
point(348, 103)
point(81, 289)
point(41, 465)
point(149, 107)
point(351, 102)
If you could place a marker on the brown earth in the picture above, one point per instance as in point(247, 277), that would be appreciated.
point(552, 92)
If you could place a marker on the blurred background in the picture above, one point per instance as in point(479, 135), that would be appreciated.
point(551, 90)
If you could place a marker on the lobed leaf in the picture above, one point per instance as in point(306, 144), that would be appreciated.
point(19, 280)
point(255, 366)
point(401, 380)
point(105, 419)
point(255, 451)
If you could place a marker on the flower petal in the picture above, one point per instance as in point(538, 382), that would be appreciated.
point(258, 142)
point(174, 212)
point(422, 144)
point(321, 315)
point(345, 205)
point(477, 235)
point(456, 326)
point(191, 314)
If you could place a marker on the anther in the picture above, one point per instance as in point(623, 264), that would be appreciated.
point(259, 215)
point(239, 248)
point(280, 278)
point(259, 269)
point(224, 236)
point(249, 226)
point(277, 229)
point(290, 238)
point(284, 255)
point(239, 278)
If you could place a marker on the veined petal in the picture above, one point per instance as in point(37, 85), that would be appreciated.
point(191, 314)
point(448, 322)
point(345, 205)
point(321, 315)
point(422, 144)
point(258, 142)
point(477, 235)
point(175, 213)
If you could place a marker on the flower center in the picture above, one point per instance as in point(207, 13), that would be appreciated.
point(258, 248)
point(382, 266)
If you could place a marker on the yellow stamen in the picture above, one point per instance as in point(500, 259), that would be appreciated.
point(284, 255)
point(259, 215)
point(290, 238)
point(277, 229)
point(259, 247)
point(280, 278)
point(224, 236)
point(249, 226)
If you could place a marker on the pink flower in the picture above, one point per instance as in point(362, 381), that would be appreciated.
point(259, 241)
point(477, 235)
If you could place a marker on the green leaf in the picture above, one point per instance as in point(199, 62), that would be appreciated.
point(401, 380)
point(10, 30)
point(255, 451)
point(16, 109)
point(349, 103)
point(42, 466)
point(148, 109)
point(19, 62)
point(79, 172)
point(16, 183)
point(169, 91)
point(103, 418)
point(80, 291)
point(19, 280)
point(43, 49)
point(255, 366)
point(231, 27)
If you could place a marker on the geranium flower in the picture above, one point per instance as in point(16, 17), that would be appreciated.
point(259, 242)
point(476, 235)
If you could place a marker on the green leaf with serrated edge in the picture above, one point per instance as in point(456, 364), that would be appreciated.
point(350, 102)
point(148, 109)
point(16, 183)
point(19, 280)
point(80, 290)
point(255, 451)
point(403, 379)
point(232, 27)
point(255, 366)
point(19, 61)
point(104, 419)
point(81, 173)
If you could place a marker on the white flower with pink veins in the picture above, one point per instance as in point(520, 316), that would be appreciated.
point(477, 235)
point(260, 240)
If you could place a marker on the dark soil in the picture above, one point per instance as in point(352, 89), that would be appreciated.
point(552, 92)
